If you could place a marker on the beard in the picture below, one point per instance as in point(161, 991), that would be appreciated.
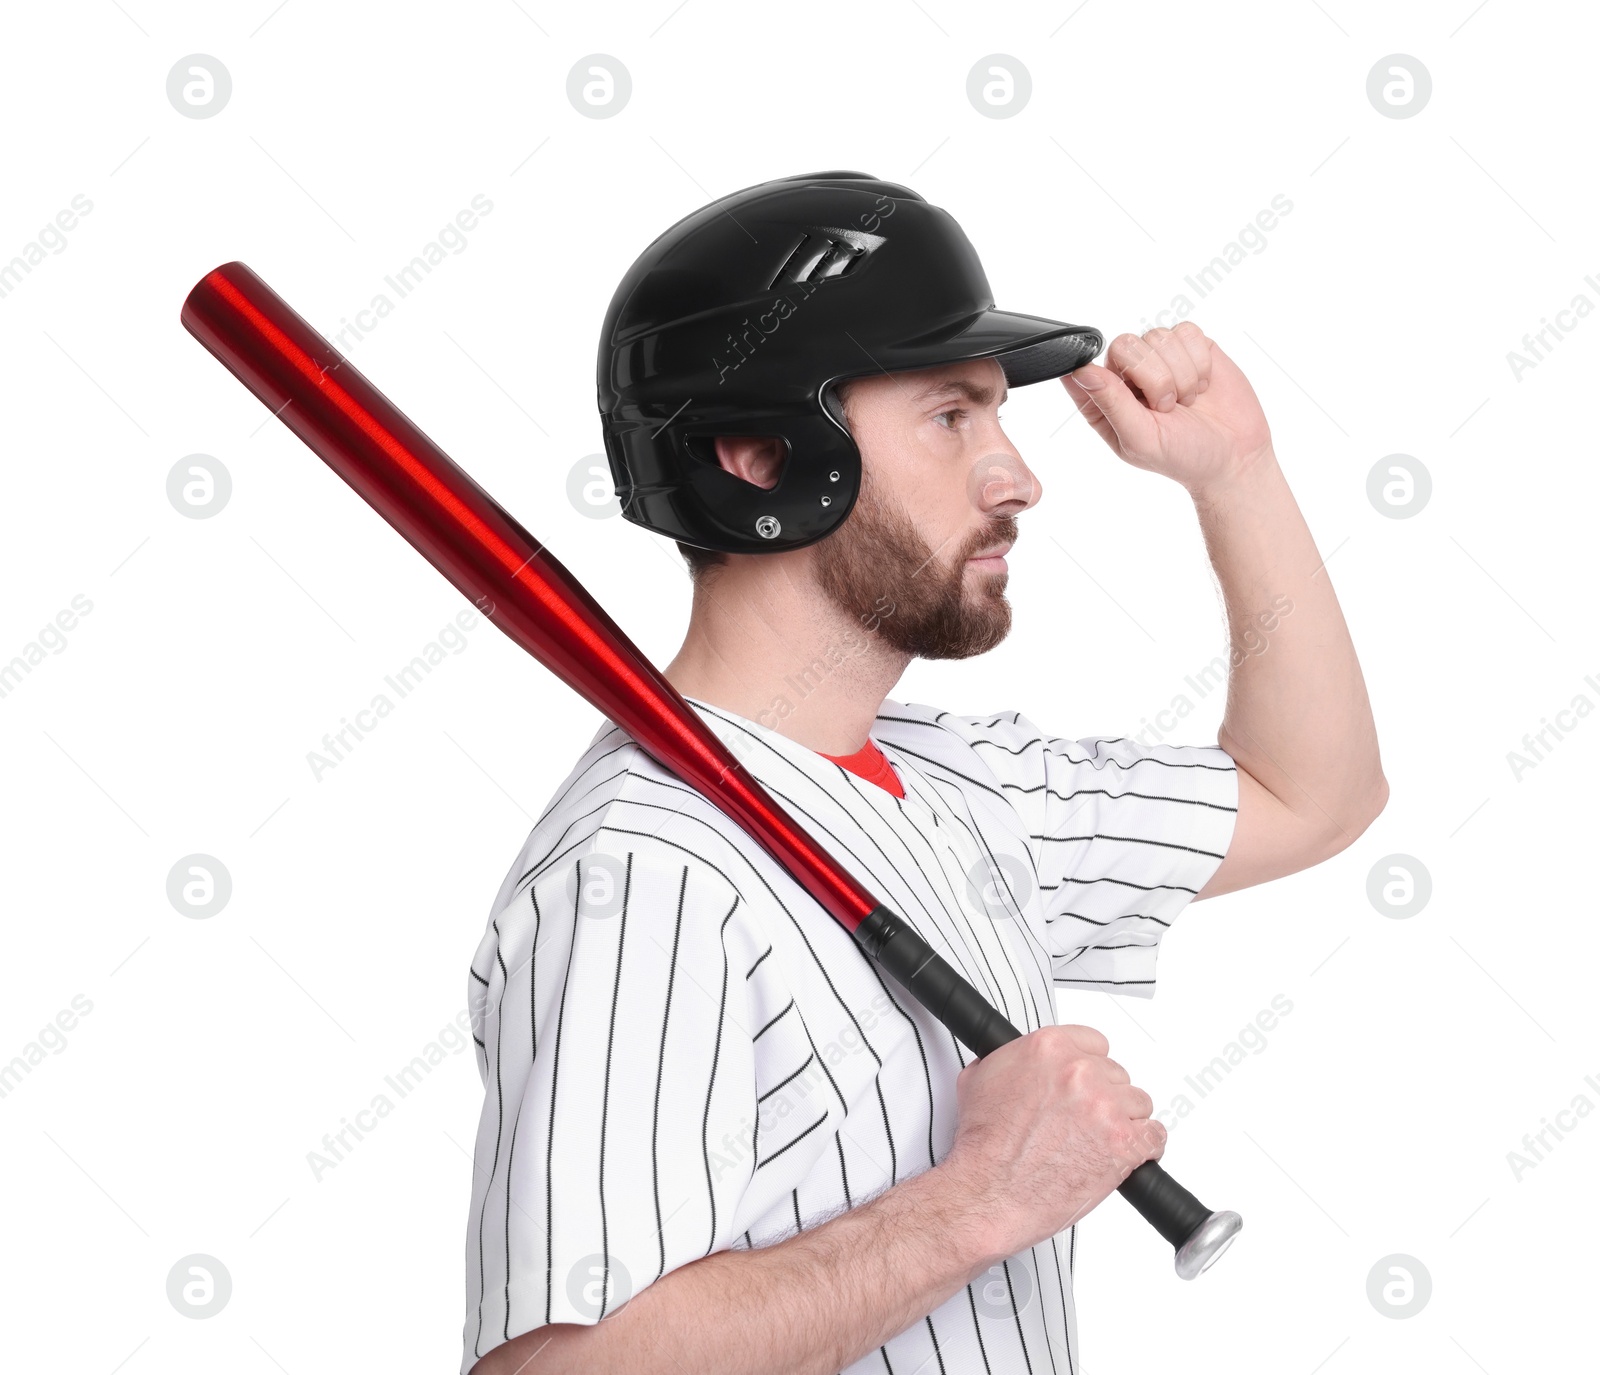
point(878, 554)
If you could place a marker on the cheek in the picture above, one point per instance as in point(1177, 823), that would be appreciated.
point(926, 477)
point(938, 506)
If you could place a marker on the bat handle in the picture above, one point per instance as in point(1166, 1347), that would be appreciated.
point(1198, 1235)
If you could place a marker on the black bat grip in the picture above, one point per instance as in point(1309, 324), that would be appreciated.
point(1198, 1234)
point(933, 982)
point(1164, 1203)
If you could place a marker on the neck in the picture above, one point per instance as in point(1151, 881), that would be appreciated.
point(764, 643)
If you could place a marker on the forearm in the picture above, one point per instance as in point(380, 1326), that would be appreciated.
point(810, 1305)
point(1298, 718)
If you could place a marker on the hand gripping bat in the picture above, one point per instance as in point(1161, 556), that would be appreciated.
point(464, 533)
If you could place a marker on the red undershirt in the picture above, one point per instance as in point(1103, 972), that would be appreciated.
point(869, 763)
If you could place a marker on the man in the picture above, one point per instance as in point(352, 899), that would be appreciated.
point(716, 1137)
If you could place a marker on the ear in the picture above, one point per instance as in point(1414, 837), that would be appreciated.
point(757, 459)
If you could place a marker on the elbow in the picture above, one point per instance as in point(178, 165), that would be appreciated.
point(1380, 797)
point(1375, 800)
point(1358, 814)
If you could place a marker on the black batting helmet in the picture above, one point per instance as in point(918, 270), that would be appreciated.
point(742, 317)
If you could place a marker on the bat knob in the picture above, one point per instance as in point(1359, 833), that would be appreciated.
point(1209, 1241)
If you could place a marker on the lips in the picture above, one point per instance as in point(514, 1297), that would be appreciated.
point(994, 541)
point(998, 551)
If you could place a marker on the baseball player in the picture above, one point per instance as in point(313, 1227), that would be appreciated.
point(715, 1137)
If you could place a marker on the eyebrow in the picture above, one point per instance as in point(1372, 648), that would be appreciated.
point(977, 393)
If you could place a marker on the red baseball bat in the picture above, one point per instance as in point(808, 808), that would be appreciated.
point(464, 533)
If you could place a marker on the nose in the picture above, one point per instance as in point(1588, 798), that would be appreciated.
point(1002, 484)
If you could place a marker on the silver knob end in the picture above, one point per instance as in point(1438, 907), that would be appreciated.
point(1209, 1241)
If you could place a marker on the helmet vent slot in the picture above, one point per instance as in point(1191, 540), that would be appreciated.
point(816, 258)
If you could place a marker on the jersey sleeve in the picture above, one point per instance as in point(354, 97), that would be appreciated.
point(1122, 834)
point(610, 1010)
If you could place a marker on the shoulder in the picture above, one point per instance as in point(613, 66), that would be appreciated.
point(911, 720)
point(619, 806)
point(622, 837)
point(997, 752)
point(1002, 736)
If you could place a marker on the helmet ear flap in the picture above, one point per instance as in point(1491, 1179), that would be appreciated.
point(718, 509)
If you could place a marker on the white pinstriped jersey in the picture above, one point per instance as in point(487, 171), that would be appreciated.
point(683, 1053)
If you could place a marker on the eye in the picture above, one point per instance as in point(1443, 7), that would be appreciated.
point(954, 411)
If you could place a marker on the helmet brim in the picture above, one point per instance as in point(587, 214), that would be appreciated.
point(1029, 348)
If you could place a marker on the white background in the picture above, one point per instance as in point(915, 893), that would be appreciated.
point(178, 1117)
